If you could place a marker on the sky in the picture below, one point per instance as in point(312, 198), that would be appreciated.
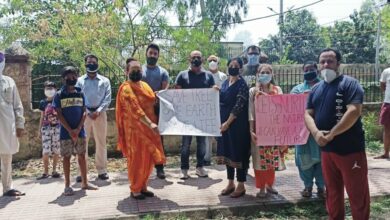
point(326, 13)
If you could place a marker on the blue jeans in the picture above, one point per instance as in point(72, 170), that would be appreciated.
point(185, 151)
point(314, 172)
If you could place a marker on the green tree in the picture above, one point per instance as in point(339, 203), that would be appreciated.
point(356, 38)
point(301, 35)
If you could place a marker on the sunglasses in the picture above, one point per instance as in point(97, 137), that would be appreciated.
point(2, 57)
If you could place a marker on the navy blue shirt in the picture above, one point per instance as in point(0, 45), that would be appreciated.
point(72, 107)
point(190, 80)
point(329, 102)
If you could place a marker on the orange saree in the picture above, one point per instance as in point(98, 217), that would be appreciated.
point(139, 144)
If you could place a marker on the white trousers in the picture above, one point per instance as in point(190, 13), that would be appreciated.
point(6, 171)
point(98, 129)
point(209, 148)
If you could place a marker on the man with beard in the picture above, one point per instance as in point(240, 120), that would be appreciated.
point(158, 79)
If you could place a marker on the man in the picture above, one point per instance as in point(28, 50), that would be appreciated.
point(97, 91)
point(11, 127)
point(158, 79)
point(385, 113)
point(219, 78)
point(194, 78)
point(308, 156)
point(333, 117)
point(250, 69)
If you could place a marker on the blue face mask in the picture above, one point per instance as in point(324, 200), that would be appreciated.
point(310, 76)
point(264, 78)
point(253, 59)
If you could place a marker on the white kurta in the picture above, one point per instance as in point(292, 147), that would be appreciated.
point(11, 115)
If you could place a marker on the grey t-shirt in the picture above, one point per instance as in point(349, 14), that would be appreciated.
point(154, 77)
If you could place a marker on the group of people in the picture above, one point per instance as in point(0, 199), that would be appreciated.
point(333, 157)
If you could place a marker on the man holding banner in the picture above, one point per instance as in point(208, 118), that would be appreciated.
point(333, 116)
point(194, 78)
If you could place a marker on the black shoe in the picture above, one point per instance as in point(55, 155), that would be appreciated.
point(78, 179)
point(147, 193)
point(103, 176)
point(139, 197)
point(160, 173)
point(206, 163)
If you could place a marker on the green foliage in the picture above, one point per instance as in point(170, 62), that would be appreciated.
point(373, 131)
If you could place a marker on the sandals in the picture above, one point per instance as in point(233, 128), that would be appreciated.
point(261, 194)
point(55, 175)
point(272, 190)
point(382, 157)
point(68, 191)
point(227, 192)
point(14, 192)
point(321, 193)
point(44, 176)
point(236, 194)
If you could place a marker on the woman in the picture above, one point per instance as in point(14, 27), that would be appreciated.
point(265, 158)
point(234, 146)
point(138, 135)
point(308, 156)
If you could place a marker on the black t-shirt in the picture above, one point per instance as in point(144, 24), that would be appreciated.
point(190, 80)
point(329, 102)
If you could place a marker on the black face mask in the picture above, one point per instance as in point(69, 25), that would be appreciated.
point(135, 76)
point(71, 82)
point(234, 71)
point(151, 61)
point(92, 67)
point(310, 76)
point(196, 62)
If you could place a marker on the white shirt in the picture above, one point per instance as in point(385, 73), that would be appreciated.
point(219, 78)
point(11, 115)
point(385, 78)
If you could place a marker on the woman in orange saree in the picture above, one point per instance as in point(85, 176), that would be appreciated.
point(138, 136)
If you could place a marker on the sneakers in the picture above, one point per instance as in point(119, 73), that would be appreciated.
point(201, 172)
point(307, 192)
point(184, 175)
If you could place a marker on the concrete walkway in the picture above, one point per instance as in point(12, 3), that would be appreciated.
point(198, 197)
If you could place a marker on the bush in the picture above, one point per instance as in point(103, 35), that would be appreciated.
point(373, 131)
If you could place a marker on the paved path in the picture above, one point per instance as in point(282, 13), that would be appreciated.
point(112, 200)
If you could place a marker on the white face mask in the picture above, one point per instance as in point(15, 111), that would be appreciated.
point(213, 65)
point(2, 65)
point(329, 75)
point(50, 93)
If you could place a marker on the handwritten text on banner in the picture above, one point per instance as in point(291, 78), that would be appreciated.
point(192, 112)
point(280, 120)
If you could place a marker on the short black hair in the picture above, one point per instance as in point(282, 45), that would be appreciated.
point(129, 60)
point(338, 54)
point(238, 59)
point(308, 63)
point(91, 56)
point(153, 46)
point(253, 47)
point(49, 83)
point(69, 69)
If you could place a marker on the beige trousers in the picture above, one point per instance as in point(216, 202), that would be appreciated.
point(98, 129)
point(6, 171)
